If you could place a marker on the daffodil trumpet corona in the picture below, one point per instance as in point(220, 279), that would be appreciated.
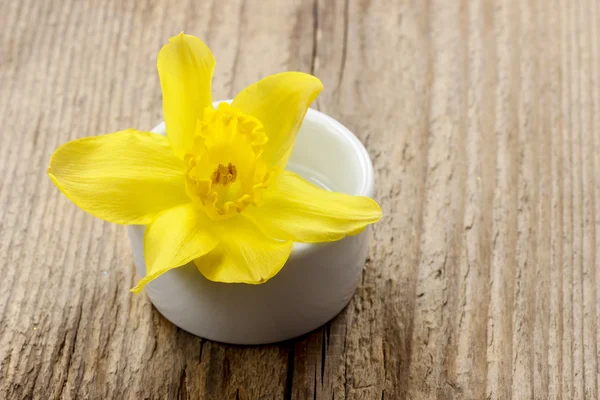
point(215, 190)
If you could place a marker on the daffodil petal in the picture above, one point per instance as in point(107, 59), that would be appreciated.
point(126, 177)
point(244, 255)
point(280, 102)
point(295, 209)
point(185, 67)
point(175, 238)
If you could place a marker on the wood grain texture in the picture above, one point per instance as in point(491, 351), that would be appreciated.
point(483, 122)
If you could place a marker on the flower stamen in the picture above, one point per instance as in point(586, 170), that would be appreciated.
point(224, 175)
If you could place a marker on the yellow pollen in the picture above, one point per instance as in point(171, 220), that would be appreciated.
point(224, 174)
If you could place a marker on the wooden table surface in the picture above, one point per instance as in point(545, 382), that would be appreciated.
point(483, 122)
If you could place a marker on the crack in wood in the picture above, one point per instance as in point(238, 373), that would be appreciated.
point(344, 46)
point(75, 331)
point(182, 393)
point(323, 352)
point(289, 380)
point(315, 13)
point(202, 341)
point(236, 58)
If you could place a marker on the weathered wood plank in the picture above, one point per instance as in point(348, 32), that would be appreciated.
point(482, 118)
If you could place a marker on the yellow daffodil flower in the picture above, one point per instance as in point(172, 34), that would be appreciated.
point(214, 191)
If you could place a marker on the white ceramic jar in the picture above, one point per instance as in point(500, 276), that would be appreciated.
point(315, 284)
